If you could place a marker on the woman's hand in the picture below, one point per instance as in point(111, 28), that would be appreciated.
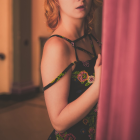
point(97, 69)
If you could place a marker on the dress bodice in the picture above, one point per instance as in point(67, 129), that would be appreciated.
point(82, 77)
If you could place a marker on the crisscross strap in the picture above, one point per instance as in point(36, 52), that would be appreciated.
point(92, 45)
point(84, 50)
point(59, 76)
point(100, 43)
point(63, 38)
point(70, 65)
point(72, 42)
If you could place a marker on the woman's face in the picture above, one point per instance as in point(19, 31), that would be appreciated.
point(69, 7)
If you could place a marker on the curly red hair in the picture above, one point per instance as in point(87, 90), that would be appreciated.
point(52, 14)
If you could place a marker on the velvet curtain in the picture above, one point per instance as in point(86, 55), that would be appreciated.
point(119, 102)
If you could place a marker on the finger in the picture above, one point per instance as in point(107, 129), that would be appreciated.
point(98, 61)
point(100, 57)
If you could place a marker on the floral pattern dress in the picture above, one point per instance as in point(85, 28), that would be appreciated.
point(81, 79)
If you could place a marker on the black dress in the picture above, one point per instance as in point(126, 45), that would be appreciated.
point(81, 78)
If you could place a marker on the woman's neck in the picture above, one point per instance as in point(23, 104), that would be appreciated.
point(71, 27)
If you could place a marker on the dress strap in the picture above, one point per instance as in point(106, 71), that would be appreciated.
point(76, 54)
point(59, 76)
point(100, 43)
point(63, 38)
point(79, 48)
point(92, 46)
point(80, 37)
point(70, 41)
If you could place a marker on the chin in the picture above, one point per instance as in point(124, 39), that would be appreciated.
point(81, 16)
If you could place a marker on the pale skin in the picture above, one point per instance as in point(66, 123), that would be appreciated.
point(57, 55)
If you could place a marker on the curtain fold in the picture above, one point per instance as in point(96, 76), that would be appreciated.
point(119, 102)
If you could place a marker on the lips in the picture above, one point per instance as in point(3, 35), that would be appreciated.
point(81, 6)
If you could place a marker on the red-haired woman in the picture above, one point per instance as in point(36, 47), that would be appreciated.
point(71, 69)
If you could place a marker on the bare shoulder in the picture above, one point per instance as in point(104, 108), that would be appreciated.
point(55, 45)
point(56, 50)
point(55, 58)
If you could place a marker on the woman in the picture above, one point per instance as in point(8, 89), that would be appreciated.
point(70, 69)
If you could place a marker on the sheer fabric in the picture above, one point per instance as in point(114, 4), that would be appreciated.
point(82, 77)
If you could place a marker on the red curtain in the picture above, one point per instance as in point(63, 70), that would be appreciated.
point(119, 102)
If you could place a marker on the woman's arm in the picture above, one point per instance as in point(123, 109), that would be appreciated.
point(56, 57)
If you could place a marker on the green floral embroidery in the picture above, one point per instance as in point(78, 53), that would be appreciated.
point(58, 78)
point(85, 121)
point(62, 74)
point(74, 74)
point(91, 117)
point(90, 120)
point(91, 132)
point(53, 81)
point(60, 136)
point(65, 136)
point(83, 77)
point(87, 84)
